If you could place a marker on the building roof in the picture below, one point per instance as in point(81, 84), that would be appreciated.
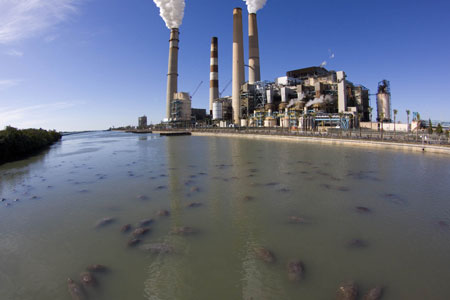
point(307, 72)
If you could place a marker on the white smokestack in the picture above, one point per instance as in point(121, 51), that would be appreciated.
point(254, 5)
point(172, 12)
point(238, 64)
point(254, 72)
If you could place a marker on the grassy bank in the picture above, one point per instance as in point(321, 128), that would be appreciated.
point(17, 144)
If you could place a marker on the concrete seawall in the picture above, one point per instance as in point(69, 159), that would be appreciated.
point(342, 142)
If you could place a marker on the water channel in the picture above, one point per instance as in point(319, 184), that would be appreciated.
point(247, 192)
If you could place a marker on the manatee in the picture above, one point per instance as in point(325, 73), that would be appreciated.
point(104, 222)
point(295, 270)
point(325, 186)
point(97, 268)
point(443, 224)
point(88, 279)
point(75, 290)
point(265, 254)
point(142, 197)
point(158, 248)
point(357, 243)
point(184, 230)
point(140, 231)
point(374, 294)
point(248, 198)
point(343, 188)
point(163, 213)
point(297, 220)
point(126, 228)
point(347, 291)
point(188, 182)
point(145, 222)
point(194, 204)
point(133, 242)
point(363, 209)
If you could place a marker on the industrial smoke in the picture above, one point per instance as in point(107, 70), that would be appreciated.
point(322, 99)
point(172, 12)
point(298, 100)
point(254, 5)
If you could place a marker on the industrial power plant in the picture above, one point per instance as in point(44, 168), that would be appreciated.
point(304, 98)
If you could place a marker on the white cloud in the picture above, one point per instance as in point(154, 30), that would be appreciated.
point(20, 19)
point(7, 83)
point(14, 52)
point(26, 116)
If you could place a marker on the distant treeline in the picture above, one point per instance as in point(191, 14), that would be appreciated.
point(17, 144)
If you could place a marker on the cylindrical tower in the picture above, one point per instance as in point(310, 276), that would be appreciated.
point(238, 64)
point(214, 74)
point(172, 75)
point(254, 72)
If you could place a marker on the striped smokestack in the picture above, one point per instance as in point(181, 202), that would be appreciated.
point(238, 64)
point(214, 74)
point(172, 75)
point(254, 72)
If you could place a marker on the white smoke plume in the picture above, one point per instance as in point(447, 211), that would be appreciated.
point(254, 5)
point(297, 100)
point(330, 56)
point(315, 101)
point(322, 99)
point(172, 12)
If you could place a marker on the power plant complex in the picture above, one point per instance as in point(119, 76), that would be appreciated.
point(303, 98)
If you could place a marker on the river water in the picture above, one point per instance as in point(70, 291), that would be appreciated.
point(248, 190)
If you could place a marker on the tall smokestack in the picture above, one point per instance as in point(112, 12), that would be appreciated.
point(254, 72)
point(238, 64)
point(172, 75)
point(214, 74)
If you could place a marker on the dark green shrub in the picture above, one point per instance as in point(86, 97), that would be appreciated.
point(16, 144)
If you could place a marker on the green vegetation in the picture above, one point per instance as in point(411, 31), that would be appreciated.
point(439, 129)
point(430, 127)
point(16, 144)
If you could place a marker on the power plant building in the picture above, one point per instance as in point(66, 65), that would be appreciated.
point(304, 98)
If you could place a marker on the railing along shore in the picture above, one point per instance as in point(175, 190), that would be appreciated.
point(421, 138)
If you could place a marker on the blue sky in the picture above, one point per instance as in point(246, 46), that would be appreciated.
point(92, 64)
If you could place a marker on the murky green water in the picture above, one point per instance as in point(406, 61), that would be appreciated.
point(248, 190)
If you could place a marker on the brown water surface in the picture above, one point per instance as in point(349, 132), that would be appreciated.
point(372, 216)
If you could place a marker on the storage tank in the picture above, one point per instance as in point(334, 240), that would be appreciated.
point(217, 111)
point(384, 101)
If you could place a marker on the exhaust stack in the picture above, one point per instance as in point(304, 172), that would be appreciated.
point(254, 72)
point(238, 64)
point(214, 74)
point(172, 75)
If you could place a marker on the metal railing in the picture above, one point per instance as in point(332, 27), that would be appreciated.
point(422, 137)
